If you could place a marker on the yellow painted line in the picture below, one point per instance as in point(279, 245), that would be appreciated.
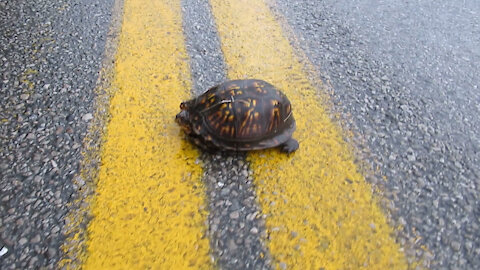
point(148, 211)
point(320, 210)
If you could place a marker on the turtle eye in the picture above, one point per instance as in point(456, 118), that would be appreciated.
point(183, 106)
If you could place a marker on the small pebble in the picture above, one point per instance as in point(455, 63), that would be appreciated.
point(87, 117)
point(51, 252)
point(22, 241)
point(35, 239)
point(456, 245)
point(234, 215)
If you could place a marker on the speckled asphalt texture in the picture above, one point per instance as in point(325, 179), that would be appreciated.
point(405, 76)
point(50, 54)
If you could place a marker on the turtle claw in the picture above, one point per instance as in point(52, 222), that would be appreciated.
point(290, 146)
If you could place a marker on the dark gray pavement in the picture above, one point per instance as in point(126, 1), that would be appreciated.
point(50, 55)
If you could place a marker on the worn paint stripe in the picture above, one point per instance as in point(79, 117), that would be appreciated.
point(148, 211)
point(320, 210)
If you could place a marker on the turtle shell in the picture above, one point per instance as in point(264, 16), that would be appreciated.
point(240, 115)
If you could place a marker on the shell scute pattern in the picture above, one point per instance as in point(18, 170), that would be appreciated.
point(239, 115)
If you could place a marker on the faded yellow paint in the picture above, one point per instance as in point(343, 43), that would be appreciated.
point(319, 208)
point(148, 211)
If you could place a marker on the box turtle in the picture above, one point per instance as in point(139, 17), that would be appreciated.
point(239, 115)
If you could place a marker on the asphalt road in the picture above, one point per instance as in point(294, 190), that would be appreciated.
point(50, 55)
point(405, 74)
point(404, 77)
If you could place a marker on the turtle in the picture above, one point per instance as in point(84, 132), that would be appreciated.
point(239, 115)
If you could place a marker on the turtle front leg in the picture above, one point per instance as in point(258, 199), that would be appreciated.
point(289, 146)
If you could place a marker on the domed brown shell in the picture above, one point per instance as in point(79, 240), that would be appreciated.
point(240, 115)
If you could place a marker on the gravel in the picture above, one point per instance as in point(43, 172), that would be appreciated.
point(50, 53)
point(404, 77)
point(235, 226)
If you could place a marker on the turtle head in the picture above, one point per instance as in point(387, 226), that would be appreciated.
point(184, 106)
point(183, 118)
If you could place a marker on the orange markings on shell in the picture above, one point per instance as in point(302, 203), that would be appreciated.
point(274, 120)
point(246, 103)
point(212, 118)
point(248, 118)
point(225, 129)
point(233, 87)
point(258, 85)
point(224, 119)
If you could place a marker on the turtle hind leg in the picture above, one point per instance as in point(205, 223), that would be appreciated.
point(289, 146)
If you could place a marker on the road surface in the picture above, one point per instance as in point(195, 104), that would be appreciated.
point(95, 173)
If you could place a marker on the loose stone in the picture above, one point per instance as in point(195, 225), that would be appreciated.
point(23, 241)
point(87, 117)
point(234, 215)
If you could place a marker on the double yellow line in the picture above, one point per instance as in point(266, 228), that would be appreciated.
point(149, 205)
